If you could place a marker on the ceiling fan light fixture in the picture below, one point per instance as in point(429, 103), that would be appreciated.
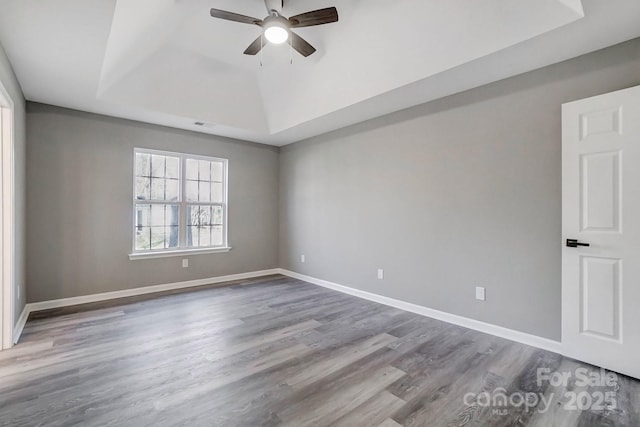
point(276, 34)
point(276, 29)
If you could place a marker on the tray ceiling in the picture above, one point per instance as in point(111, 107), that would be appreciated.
point(168, 62)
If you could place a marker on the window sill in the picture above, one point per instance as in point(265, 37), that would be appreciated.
point(182, 252)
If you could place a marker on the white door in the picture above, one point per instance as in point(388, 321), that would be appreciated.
point(601, 208)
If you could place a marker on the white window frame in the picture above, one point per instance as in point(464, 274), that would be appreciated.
point(182, 250)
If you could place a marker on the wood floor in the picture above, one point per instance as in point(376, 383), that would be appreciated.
point(277, 351)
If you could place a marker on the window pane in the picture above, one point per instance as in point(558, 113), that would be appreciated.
point(157, 227)
point(216, 217)
point(205, 215)
point(164, 237)
point(198, 215)
point(216, 192)
point(172, 215)
point(191, 171)
point(192, 191)
point(143, 162)
point(157, 166)
point(192, 236)
point(142, 230)
point(143, 188)
point(216, 171)
point(157, 189)
point(192, 215)
point(173, 239)
point(205, 236)
point(143, 216)
point(157, 238)
point(216, 235)
point(164, 215)
point(205, 170)
point(157, 215)
point(143, 238)
point(200, 231)
point(172, 190)
point(204, 192)
point(173, 167)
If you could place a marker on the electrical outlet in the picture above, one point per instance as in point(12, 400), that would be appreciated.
point(480, 293)
point(301, 258)
point(380, 274)
point(185, 263)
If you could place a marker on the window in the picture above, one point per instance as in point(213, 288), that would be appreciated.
point(180, 203)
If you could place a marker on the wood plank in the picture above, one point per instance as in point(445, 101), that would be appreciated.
point(389, 423)
point(327, 407)
point(375, 410)
point(274, 351)
point(339, 360)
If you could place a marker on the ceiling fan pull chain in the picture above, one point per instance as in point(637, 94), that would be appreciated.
point(262, 45)
point(290, 51)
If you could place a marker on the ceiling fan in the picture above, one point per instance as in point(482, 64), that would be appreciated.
point(276, 28)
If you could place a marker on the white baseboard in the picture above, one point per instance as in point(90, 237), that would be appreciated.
point(19, 327)
point(65, 302)
point(499, 331)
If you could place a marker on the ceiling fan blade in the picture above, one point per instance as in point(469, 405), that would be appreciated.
point(236, 17)
point(301, 45)
point(316, 17)
point(256, 46)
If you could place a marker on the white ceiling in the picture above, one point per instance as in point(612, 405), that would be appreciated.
point(168, 62)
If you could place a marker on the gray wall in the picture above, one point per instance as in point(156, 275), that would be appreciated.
point(79, 201)
point(8, 79)
point(445, 196)
point(455, 193)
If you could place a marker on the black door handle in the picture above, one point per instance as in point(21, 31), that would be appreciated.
point(573, 243)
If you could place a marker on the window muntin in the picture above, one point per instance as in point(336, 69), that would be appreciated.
point(180, 202)
point(204, 181)
point(157, 227)
point(157, 177)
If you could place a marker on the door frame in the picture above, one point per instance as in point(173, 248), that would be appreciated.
point(7, 226)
